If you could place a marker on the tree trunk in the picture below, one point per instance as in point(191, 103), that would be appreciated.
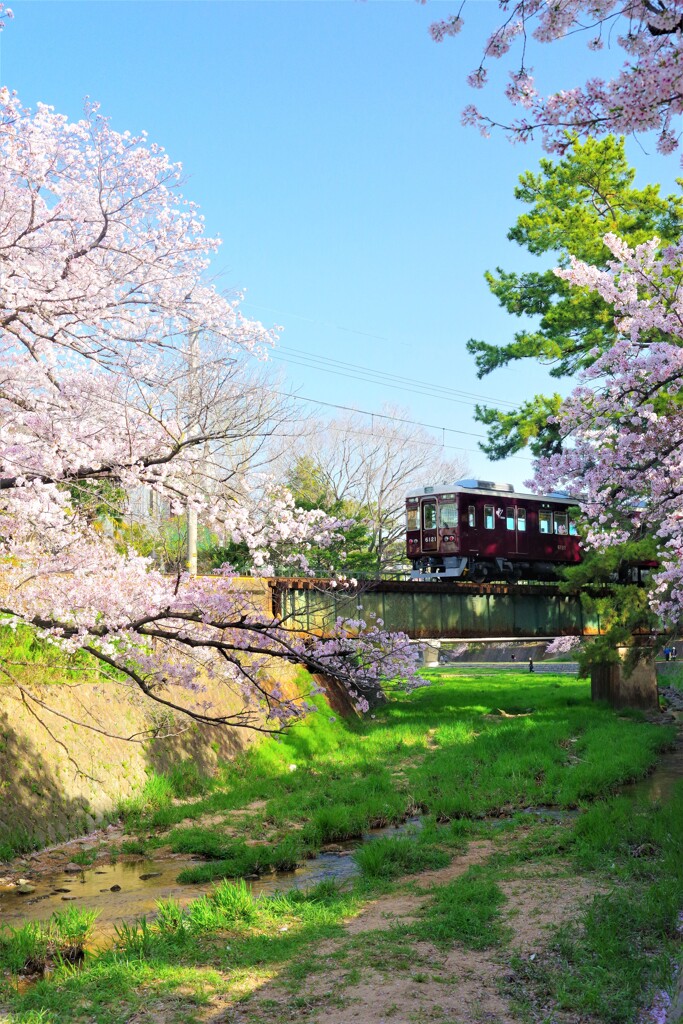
point(638, 690)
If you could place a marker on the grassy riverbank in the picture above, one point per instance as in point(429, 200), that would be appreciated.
point(494, 905)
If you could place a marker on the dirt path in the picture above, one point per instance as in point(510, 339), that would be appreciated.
point(377, 975)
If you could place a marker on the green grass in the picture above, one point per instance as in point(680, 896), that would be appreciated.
point(17, 841)
point(466, 910)
point(399, 855)
point(448, 752)
point(32, 946)
point(84, 857)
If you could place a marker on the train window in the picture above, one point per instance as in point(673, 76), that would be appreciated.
point(510, 518)
point(429, 516)
point(448, 514)
point(545, 522)
point(471, 515)
point(489, 520)
point(561, 519)
point(521, 519)
point(411, 519)
point(572, 528)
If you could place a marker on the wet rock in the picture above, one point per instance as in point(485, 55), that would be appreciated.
point(8, 887)
point(150, 874)
point(115, 888)
point(72, 869)
point(62, 890)
point(100, 872)
point(25, 889)
point(68, 899)
point(251, 878)
point(332, 848)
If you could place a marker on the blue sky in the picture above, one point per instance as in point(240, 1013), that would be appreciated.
point(323, 142)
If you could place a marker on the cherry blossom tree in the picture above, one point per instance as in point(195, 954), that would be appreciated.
point(646, 95)
point(623, 426)
point(121, 367)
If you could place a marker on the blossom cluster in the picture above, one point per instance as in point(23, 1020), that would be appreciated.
point(646, 94)
point(122, 365)
point(562, 645)
point(623, 425)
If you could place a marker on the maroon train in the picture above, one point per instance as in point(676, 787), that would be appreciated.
point(478, 530)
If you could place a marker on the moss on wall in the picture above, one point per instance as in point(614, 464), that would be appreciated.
point(59, 779)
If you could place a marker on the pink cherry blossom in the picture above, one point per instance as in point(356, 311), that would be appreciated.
point(120, 362)
point(646, 94)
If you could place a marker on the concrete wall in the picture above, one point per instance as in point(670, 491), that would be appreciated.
point(58, 779)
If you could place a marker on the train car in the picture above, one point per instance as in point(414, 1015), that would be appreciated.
point(479, 530)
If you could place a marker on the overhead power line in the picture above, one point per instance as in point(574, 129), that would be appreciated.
point(393, 376)
point(400, 419)
point(354, 371)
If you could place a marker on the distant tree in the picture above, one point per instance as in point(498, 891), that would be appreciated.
point(571, 204)
point(351, 553)
point(370, 465)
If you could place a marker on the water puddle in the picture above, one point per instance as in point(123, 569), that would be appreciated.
point(659, 786)
point(125, 891)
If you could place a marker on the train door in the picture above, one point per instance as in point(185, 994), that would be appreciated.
point(429, 534)
point(522, 532)
point(516, 528)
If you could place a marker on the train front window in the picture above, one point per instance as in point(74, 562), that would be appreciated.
point(411, 519)
point(561, 523)
point(489, 519)
point(471, 516)
point(545, 522)
point(510, 518)
point(521, 519)
point(429, 516)
point(448, 514)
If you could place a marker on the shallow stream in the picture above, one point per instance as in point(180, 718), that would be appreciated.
point(127, 890)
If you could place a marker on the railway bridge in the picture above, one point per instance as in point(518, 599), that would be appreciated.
point(439, 610)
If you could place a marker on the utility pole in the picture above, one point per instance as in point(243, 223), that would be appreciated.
point(193, 359)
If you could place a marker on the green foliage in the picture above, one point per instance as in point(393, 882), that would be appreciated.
point(570, 205)
point(449, 749)
point(25, 654)
point(467, 911)
point(100, 501)
point(32, 946)
point(187, 780)
point(398, 855)
point(17, 841)
point(628, 941)
point(620, 606)
point(84, 857)
point(352, 554)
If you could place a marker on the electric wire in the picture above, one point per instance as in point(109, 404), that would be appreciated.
point(439, 390)
point(399, 419)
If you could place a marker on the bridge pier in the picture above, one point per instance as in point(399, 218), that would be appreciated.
point(609, 682)
point(430, 653)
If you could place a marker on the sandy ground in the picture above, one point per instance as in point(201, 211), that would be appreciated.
point(457, 986)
